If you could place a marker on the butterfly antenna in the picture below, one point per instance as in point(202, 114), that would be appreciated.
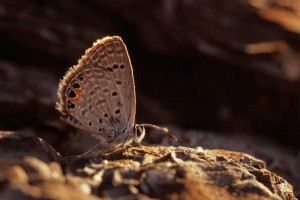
point(159, 129)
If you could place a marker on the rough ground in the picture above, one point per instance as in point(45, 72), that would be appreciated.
point(228, 69)
point(30, 169)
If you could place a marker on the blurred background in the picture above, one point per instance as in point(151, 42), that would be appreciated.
point(218, 73)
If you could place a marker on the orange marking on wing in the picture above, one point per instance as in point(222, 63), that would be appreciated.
point(76, 98)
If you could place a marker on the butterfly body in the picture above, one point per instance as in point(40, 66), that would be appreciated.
point(98, 96)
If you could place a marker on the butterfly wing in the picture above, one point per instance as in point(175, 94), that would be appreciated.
point(98, 94)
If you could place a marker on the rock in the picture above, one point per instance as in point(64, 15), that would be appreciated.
point(225, 66)
point(179, 173)
point(30, 169)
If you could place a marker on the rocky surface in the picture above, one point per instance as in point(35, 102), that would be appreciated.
point(229, 69)
point(30, 169)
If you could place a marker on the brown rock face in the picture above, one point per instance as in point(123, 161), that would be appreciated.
point(32, 171)
point(223, 66)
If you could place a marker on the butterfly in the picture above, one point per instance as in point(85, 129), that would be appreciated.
point(98, 96)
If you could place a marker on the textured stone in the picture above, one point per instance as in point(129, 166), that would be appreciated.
point(179, 173)
point(220, 65)
point(30, 169)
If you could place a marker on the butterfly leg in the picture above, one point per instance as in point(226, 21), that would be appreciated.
point(137, 138)
point(93, 152)
point(125, 143)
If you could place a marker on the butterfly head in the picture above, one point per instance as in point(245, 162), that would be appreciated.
point(163, 130)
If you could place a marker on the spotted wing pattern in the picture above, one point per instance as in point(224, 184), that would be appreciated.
point(98, 95)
